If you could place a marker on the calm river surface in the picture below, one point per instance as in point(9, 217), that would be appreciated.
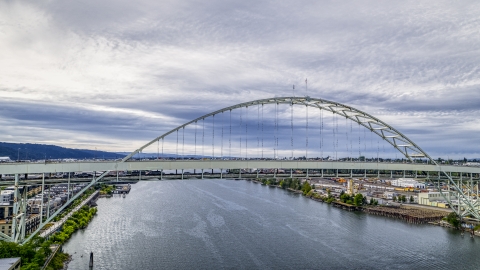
point(226, 224)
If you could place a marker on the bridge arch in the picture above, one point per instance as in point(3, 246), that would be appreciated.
point(386, 132)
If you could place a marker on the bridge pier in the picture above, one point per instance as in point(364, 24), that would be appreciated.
point(391, 174)
point(291, 173)
point(202, 173)
point(336, 173)
point(404, 174)
point(322, 173)
point(68, 186)
point(428, 174)
point(221, 174)
point(307, 174)
point(239, 173)
point(351, 173)
point(378, 173)
point(365, 173)
point(182, 174)
point(41, 205)
point(257, 173)
point(161, 174)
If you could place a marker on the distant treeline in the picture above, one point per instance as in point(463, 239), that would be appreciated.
point(28, 151)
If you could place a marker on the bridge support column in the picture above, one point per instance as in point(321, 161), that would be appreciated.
point(202, 173)
point(140, 175)
point(336, 174)
point(461, 176)
point(322, 173)
point(221, 173)
point(351, 173)
point(428, 174)
point(378, 173)
point(117, 175)
point(41, 205)
point(275, 173)
point(307, 174)
point(48, 202)
point(182, 174)
point(240, 173)
point(404, 174)
point(365, 173)
point(416, 174)
point(68, 187)
point(291, 173)
point(391, 174)
point(257, 173)
point(161, 174)
point(471, 176)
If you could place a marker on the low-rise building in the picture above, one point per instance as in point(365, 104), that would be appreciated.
point(435, 198)
point(407, 182)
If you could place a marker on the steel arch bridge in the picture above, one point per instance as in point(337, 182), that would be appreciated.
point(464, 206)
point(386, 132)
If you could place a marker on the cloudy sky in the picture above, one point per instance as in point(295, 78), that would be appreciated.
point(115, 74)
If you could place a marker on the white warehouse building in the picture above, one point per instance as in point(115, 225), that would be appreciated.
point(407, 182)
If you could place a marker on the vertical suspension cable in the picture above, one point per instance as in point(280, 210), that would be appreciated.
point(213, 137)
point(306, 133)
point(346, 134)
point(177, 146)
point(195, 155)
point(246, 132)
point(336, 132)
point(258, 129)
point(334, 135)
point(351, 141)
point(203, 138)
point(230, 138)
point(275, 132)
point(322, 133)
point(262, 130)
point(291, 127)
point(359, 142)
point(240, 129)
point(163, 139)
point(158, 149)
point(221, 145)
point(183, 143)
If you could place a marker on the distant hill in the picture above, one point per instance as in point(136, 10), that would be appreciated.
point(28, 151)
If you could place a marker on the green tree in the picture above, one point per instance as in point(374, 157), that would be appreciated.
point(453, 219)
point(306, 188)
point(358, 200)
point(411, 199)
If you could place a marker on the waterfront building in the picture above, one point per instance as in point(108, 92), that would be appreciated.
point(407, 183)
point(435, 198)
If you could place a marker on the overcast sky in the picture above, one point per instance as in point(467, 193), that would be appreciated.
point(115, 74)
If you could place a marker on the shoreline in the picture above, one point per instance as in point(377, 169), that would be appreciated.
point(409, 213)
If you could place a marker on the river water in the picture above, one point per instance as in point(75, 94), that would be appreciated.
point(227, 224)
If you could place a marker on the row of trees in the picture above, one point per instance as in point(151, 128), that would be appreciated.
point(35, 252)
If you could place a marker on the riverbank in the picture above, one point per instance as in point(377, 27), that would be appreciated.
point(408, 213)
point(44, 250)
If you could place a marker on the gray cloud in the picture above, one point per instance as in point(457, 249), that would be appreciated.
point(117, 73)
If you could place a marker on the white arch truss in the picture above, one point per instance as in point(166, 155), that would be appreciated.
point(388, 133)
